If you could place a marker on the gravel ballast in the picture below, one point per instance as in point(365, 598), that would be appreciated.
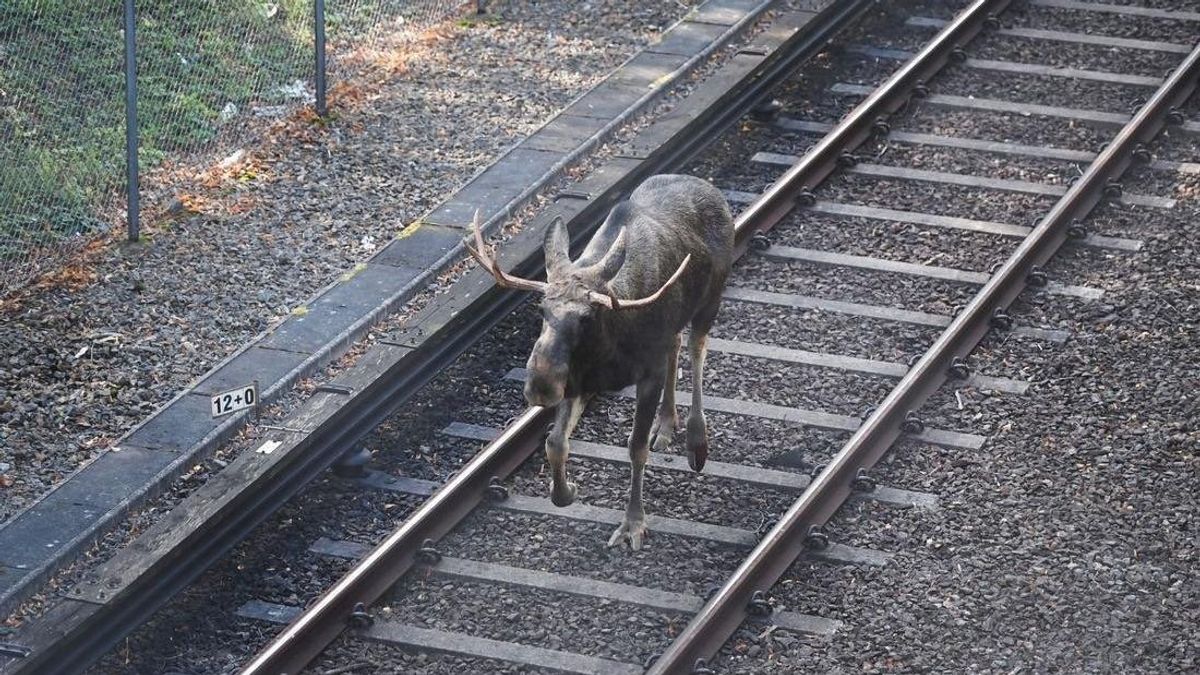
point(1075, 55)
point(1110, 24)
point(449, 399)
point(832, 282)
point(891, 240)
point(1062, 545)
point(92, 353)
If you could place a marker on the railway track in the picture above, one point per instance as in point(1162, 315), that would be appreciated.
point(758, 507)
point(796, 531)
point(118, 595)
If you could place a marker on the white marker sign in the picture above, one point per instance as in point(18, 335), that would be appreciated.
point(233, 401)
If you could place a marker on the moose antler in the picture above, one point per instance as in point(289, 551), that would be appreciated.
point(606, 300)
point(612, 302)
point(490, 264)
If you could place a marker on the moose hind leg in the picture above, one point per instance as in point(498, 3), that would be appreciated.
point(633, 528)
point(697, 428)
point(664, 425)
point(566, 416)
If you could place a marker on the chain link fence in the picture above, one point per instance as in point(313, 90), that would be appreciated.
point(208, 74)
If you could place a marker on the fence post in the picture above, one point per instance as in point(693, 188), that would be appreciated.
point(131, 124)
point(319, 34)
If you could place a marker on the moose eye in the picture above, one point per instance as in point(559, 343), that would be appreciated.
point(582, 325)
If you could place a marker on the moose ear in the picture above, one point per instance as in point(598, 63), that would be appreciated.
point(557, 246)
point(612, 261)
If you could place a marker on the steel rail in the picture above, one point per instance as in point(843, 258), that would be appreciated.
point(308, 635)
point(869, 117)
point(87, 631)
point(725, 611)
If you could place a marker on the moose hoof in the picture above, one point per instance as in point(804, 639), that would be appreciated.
point(697, 455)
point(633, 531)
point(662, 433)
point(562, 494)
point(697, 442)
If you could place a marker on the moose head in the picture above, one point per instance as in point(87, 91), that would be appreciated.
point(573, 295)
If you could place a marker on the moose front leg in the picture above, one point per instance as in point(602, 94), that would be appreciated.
point(664, 426)
point(633, 528)
point(697, 429)
point(566, 416)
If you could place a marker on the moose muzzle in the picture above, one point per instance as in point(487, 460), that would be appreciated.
point(542, 388)
point(547, 367)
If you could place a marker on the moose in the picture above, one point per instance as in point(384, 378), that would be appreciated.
point(614, 317)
